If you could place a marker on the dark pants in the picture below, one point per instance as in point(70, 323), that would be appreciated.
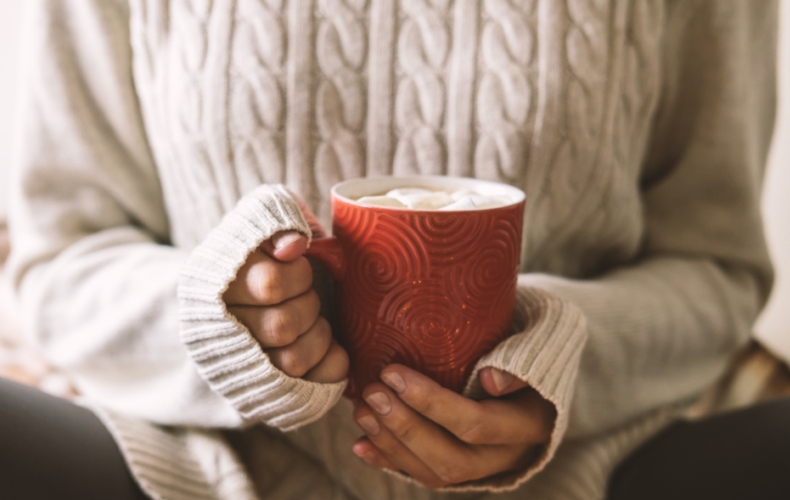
point(744, 455)
point(51, 449)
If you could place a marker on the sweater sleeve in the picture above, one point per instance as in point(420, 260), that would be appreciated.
point(609, 349)
point(227, 355)
point(91, 263)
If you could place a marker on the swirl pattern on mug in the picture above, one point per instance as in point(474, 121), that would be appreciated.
point(441, 232)
point(351, 222)
point(423, 314)
point(393, 253)
point(390, 347)
point(487, 274)
point(433, 291)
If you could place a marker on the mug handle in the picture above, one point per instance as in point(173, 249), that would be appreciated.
point(328, 252)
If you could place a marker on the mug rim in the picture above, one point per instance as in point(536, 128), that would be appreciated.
point(343, 190)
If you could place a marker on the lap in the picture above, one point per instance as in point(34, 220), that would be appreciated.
point(739, 455)
point(50, 448)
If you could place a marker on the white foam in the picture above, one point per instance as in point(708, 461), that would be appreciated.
point(418, 198)
point(381, 201)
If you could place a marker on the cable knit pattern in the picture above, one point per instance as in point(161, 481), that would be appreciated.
point(423, 47)
point(586, 47)
point(156, 129)
point(227, 355)
point(635, 98)
point(340, 106)
point(505, 95)
point(257, 114)
point(190, 21)
point(640, 81)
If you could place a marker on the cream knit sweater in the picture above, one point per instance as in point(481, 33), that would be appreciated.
point(156, 134)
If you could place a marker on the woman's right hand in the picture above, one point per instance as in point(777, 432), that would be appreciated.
point(272, 296)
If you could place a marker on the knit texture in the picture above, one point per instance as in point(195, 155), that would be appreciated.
point(175, 464)
point(227, 355)
point(156, 133)
point(545, 353)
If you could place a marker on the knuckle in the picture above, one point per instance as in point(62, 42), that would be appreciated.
point(401, 426)
point(340, 361)
point(310, 305)
point(324, 331)
point(291, 363)
point(306, 269)
point(323, 325)
point(314, 300)
point(476, 434)
point(332, 368)
point(421, 398)
point(282, 328)
point(268, 283)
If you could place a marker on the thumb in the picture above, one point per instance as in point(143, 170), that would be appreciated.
point(285, 246)
point(498, 382)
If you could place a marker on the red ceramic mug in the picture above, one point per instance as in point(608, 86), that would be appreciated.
point(432, 290)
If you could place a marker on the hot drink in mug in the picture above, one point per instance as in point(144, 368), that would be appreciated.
point(426, 271)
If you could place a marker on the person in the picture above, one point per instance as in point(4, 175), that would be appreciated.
point(173, 153)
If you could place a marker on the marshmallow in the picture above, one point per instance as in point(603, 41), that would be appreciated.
point(416, 198)
point(432, 200)
point(381, 201)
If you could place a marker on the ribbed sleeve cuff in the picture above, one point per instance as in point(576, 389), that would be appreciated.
point(227, 356)
point(545, 354)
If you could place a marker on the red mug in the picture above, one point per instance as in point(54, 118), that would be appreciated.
point(429, 289)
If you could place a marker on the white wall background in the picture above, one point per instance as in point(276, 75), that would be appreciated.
point(773, 326)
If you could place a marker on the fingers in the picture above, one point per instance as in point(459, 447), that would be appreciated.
point(280, 325)
point(285, 246)
point(367, 451)
point(271, 296)
point(392, 453)
point(305, 352)
point(332, 368)
point(440, 438)
point(408, 439)
point(263, 280)
point(461, 416)
point(497, 382)
point(521, 419)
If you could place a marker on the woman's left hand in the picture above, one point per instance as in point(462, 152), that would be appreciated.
point(441, 438)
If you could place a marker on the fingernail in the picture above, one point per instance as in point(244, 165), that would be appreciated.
point(369, 425)
point(395, 381)
point(380, 402)
point(501, 379)
point(367, 457)
point(286, 240)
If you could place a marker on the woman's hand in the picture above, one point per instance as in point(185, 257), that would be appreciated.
point(273, 298)
point(440, 438)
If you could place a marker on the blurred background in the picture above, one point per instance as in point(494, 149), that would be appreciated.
point(773, 328)
point(10, 14)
